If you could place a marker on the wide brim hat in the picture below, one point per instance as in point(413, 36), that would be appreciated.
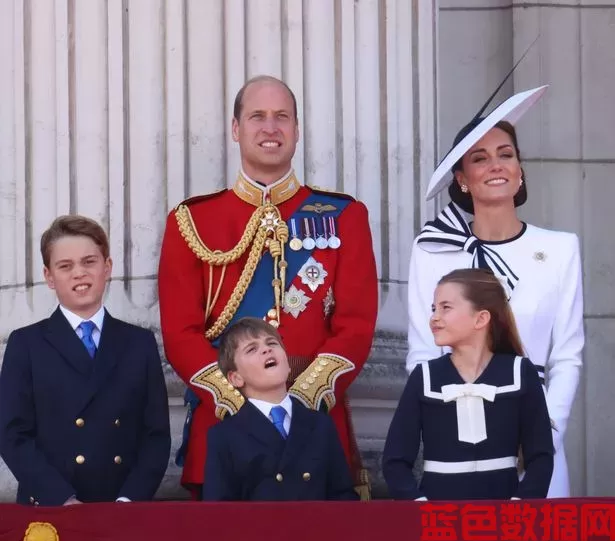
point(510, 111)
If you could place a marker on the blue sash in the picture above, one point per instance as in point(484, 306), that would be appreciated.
point(259, 298)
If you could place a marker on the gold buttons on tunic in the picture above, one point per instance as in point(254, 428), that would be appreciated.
point(272, 313)
point(117, 459)
point(307, 476)
point(279, 478)
point(80, 459)
point(117, 422)
point(79, 422)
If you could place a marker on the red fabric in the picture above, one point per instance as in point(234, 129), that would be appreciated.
point(575, 519)
point(183, 282)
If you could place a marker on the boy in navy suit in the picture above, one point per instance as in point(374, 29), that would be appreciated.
point(274, 448)
point(83, 403)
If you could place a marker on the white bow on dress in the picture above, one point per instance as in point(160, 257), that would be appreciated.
point(470, 398)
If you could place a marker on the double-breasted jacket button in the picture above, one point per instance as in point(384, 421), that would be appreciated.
point(80, 459)
point(117, 459)
point(279, 478)
point(307, 476)
point(31, 499)
point(79, 422)
point(116, 422)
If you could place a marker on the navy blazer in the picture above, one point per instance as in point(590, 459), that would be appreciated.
point(97, 428)
point(247, 459)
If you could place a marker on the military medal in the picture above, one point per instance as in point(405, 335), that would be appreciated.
point(334, 241)
point(295, 301)
point(308, 242)
point(321, 241)
point(312, 274)
point(295, 243)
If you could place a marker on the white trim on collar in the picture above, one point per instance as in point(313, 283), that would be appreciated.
point(514, 386)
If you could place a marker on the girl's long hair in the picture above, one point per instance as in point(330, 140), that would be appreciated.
point(485, 292)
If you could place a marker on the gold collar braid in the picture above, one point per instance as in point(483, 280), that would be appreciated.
point(265, 230)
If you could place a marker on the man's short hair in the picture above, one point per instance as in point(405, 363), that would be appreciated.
point(246, 327)
point(238, 105)
point(73, 226)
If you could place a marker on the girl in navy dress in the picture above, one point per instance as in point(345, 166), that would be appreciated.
point(475, 407)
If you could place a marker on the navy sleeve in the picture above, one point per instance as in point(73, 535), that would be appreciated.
point(403, 440)
point(39, 480)
point(155, 444)
point(221, 483)
point(536, 437)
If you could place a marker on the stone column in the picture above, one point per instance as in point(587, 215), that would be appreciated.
point(120, 109)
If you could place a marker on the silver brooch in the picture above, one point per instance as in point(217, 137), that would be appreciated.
point(295, 301)
point(312, 274)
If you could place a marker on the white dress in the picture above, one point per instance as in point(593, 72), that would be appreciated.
point(547, 303)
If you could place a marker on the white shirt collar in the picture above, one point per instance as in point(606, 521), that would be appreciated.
point(268, 187)
point(265, 407)
point(76, 320)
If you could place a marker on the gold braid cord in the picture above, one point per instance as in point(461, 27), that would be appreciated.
point(226, 397)
point(264, 225)
point(216, 257)
point(317, 382)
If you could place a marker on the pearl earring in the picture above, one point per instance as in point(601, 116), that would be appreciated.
point(520, 181)
point(464, 188)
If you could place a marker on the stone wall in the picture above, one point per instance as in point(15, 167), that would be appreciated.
point(119, 109)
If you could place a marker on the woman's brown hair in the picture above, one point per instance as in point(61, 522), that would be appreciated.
point(485, 292)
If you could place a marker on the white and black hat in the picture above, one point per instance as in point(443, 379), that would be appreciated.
point(510, 111)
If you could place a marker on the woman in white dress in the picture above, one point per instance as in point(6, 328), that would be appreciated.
point(540, 268)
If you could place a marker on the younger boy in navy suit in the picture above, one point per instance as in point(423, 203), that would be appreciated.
point(83, 403)
point(274, 448)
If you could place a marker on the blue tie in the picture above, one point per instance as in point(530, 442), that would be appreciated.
point(278, 413)
point(87, 327)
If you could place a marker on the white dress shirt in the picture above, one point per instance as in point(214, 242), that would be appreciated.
point(75, 321)
point(265, 408)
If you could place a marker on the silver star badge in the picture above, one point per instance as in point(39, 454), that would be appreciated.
point(312, 274)
point(295, 301)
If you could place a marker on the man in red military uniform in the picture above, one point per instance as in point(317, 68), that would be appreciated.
point(272, 248)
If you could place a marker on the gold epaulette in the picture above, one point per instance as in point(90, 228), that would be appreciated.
point(199, 198)
point(330, 192)
point(226, 398)
point(317, 382)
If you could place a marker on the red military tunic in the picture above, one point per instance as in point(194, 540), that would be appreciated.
point(338, 318)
